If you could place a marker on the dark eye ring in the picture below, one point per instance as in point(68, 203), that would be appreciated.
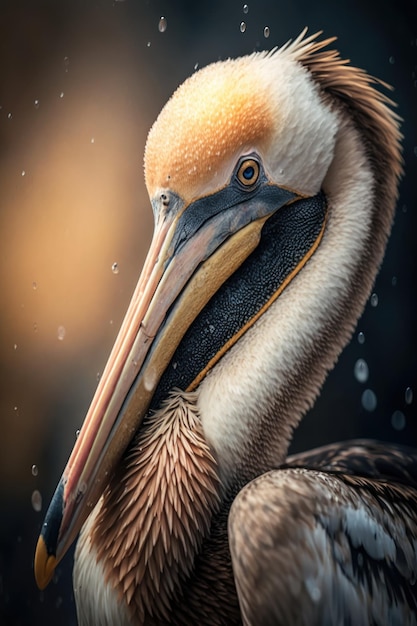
point(248, 172)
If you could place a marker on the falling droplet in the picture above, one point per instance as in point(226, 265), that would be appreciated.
point(369, 400)
point(148, 45)
point(9, 116)
point(242, 27)
point(66, 63)
point(23, 173)
point(77, 433)
point(92, 140)
point(374, 300)
point(61, 95)
point(149, 380)
point(98, 376)
point(61, 333)
point(36, 104)
point(392, 60)
point(245, 9)
point(266, 32)
point(115, 268)
point(37, 500)
point(394, 281)
point(313, 589)
point(15, 346)
point(34, 285)
point(35, 327)
point(361, 338)
point(162, 26)
point(398, 420)
point(34, 470)
point(361, 371)
point(196, 66)
point(408, 396)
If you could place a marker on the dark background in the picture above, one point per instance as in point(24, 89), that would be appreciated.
point(80, 85)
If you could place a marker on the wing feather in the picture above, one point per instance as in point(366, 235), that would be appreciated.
point(333, 541)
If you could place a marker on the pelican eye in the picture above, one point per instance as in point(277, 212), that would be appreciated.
point(248, 172)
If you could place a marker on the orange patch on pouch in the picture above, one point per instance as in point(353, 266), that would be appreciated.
point(213, 116)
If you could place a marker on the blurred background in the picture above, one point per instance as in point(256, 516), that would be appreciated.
point(80, 84)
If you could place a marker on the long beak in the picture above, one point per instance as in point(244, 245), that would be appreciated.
point(180, 275)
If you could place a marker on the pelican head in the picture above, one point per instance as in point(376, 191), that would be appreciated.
point(272, 180)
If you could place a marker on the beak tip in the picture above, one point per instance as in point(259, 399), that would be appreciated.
point(44, 564)
point(46, 548)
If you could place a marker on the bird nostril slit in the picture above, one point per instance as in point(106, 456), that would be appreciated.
point(164, 199)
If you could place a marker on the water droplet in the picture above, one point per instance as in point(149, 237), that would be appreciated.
point(66, 63)
point(408, 396)
point(313, 589)
point(361, 338)
point(115, 268)
point(392, 60)
point(242, 27)
point(245, 9)
point(15, 409)
point(15, 346)
point(174, 365)
point(398, 420)
point(149, 380)
point(9, 116)
point(98, 376)
point(394, 281)
point(369, 400)
point(35, 327)
point(374, 300)
point(37, 500)
point(92, 140)
point(23, 173)
point(196, 66)
point(61, 95)
point(361, 371)
point(77, 433)
point(34, 285)
point(61, 332)
point(266, 32)
point(34, 470)
point(148, 44)
point(162, 26)
point(111, 322)
point(36, 104)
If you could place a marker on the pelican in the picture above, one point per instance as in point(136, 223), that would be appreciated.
point(273, 181)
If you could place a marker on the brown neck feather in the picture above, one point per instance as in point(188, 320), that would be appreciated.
point(157, 510)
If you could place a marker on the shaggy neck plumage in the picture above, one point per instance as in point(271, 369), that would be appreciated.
point(156, 511)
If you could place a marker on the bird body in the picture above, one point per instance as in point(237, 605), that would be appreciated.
point(273, 180)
